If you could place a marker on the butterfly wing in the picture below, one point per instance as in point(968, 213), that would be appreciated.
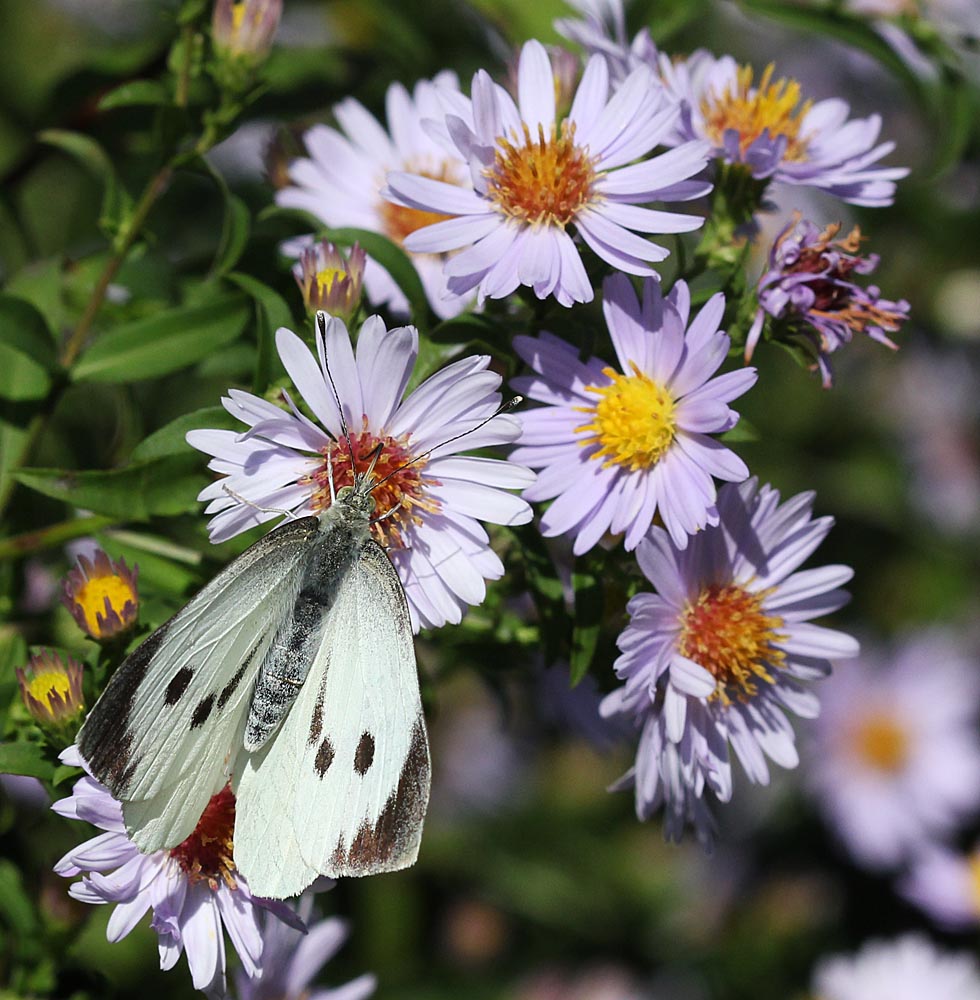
point(165, 733)
point(343, 787)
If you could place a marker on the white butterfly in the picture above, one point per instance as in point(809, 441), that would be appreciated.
point(292, 674)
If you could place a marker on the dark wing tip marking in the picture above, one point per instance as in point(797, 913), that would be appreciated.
point(364, 755)
point(178, 685)
point(324, 757)
point(203, 711)
point(105, 741)
point(394, 836)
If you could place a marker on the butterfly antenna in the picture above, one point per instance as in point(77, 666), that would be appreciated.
point(506, 407)
point(321, 322)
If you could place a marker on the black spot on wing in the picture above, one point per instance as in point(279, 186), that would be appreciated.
point(324, 757)
point(392, 841)
point(203, 711)
point(316, 720)
point(229, 689)
point(364, 755)
point(178, 685)
point(105, 740)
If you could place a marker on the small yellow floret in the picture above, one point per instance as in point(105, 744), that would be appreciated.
point(325, 279)
point(51, 682)
point(773, 107)
point(91, 598)
point(633, 420)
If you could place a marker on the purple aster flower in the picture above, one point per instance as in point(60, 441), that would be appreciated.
point(810, 287)
point(194, 890)
point(291, 960)
point(895, 758)
point(534, 176)
point(602, 31)
point(946, 885)
point(723, 648)
point(770, 129)
point(341, 181)
point(908, 968)
point(617, 447)
point(432, 534)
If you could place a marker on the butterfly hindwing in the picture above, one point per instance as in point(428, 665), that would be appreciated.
point(342, 788)
point(165, 733)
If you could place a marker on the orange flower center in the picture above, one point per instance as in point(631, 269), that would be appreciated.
point(727, 632)
point(771, 107)
point(544, 181)
point(881, 742)
point(398, 221)
point(404, 490)
point(208, 853)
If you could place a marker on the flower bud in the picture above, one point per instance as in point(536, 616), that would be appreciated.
point(52, 690)
point(329, 281)
point(102, 596)
point(245, 29)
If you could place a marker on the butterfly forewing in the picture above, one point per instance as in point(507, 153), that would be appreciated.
point(342, 789)
point(165, 733)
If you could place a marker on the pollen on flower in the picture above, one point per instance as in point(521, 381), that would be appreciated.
point(973, 868)
point(881, 742)
point(633, 422)
point(101, 596)
point(726, 631)
point(400, 221)
point(404, 493)
point(749, 111)
point(208, 853)
point(542, 181)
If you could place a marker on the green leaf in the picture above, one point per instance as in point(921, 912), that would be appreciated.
point(171, 439)
point(235, 231)
point(163, 343)
point(135, 93)
point(165, 487)
point(271, 312)
point(16, 907)
point(587, 583)
point(63, 772)
point(27, 360)
point(742, 431)
point(116, 202)
point(13, 654)
point(25, 758)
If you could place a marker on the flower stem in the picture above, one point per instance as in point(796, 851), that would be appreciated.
point(54, 534)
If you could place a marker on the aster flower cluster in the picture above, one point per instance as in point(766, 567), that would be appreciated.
point(578, 233)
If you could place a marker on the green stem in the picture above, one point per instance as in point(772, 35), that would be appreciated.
point(53, 535)
point(123, 244)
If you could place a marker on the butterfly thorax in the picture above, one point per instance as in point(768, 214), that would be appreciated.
point(344, 530)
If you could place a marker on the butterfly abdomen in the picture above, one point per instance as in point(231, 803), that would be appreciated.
point(289, 658)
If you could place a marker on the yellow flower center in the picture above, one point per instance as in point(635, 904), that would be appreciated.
point(773, 107)
point(48, 684)
point(404, 490)
point(325, 279)
point(91, 597)
point(633, 421)
point(399, 222)
point(727, 632)
point(881, 742)
point(238, 15)
point(543, 181)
